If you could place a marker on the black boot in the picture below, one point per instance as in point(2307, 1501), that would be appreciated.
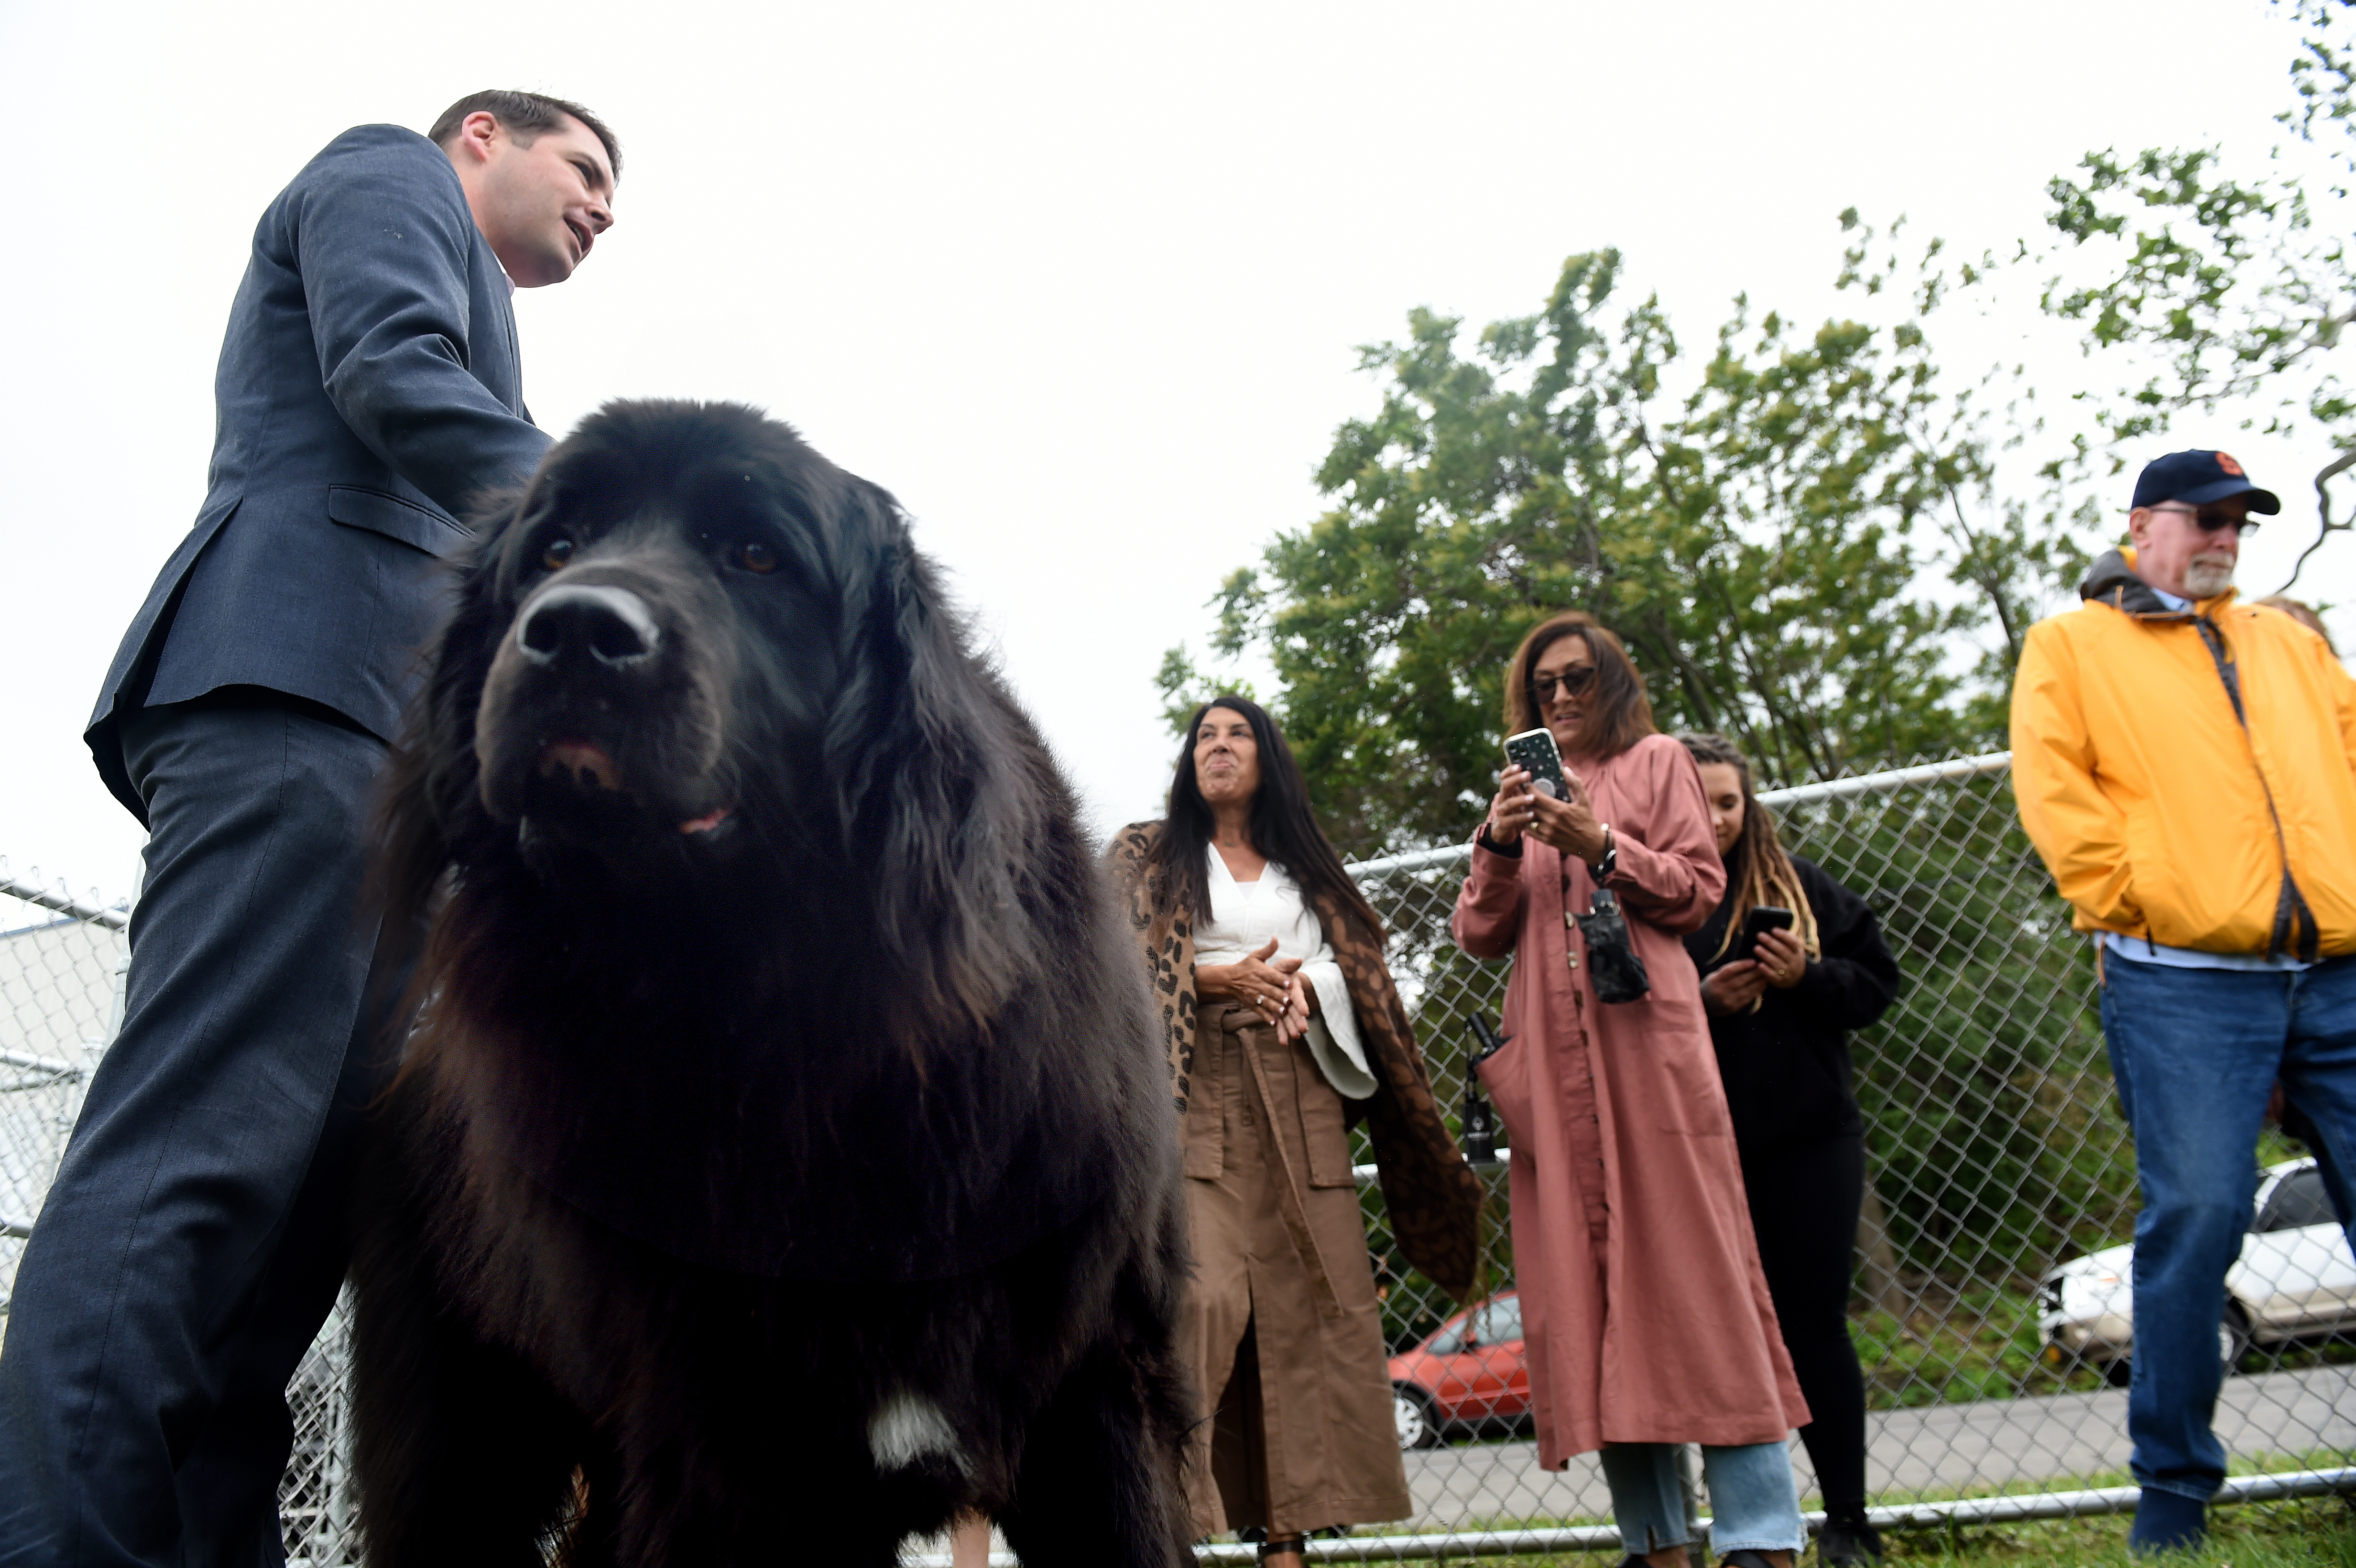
point(1848, 1542)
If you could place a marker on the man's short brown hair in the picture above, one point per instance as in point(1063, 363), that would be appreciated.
point(526, 115)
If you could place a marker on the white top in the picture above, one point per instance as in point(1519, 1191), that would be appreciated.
point(1244, 915)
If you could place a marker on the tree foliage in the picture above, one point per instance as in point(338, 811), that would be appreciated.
point(1791, 547)
point(2233, 283)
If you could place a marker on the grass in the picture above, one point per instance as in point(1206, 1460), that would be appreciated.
point(1983, 1342)
point(2309, 1532)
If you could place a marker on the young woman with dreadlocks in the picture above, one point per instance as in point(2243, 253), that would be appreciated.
point(1779, 1022)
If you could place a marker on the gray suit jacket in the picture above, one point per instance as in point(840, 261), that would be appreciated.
point(369, 386)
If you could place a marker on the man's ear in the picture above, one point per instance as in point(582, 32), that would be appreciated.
point(479, 134)
point(2138, 524)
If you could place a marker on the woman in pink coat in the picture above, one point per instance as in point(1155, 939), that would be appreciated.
point(1647, 1315)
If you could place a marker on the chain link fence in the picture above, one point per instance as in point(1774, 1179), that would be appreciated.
point(1990, 1308)
point(1989, 1311)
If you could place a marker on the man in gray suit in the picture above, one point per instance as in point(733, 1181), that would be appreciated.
point(369, 386)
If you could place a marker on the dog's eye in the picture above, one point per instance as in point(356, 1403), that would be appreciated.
point(558, 553)
point(755, 556)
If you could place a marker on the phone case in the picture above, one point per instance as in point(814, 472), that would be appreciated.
point(1536, 750)
point(1746, 944)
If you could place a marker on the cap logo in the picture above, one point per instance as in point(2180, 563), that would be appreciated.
point(2225, 462)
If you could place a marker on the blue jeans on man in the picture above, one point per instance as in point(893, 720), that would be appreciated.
point(2196, 1054)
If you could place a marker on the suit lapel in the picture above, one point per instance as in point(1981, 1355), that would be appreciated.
point(491, 289)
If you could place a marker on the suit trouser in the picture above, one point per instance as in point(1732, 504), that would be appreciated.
point(192, 1244)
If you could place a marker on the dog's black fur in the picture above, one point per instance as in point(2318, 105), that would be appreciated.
point(779, 1070)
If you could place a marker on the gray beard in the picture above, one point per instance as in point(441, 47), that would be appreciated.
point(2207, 579)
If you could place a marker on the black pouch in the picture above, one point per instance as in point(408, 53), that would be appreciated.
point(1480, 1119)
point(1611, 962)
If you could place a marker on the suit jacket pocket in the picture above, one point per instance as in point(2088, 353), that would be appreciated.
point(420, 528)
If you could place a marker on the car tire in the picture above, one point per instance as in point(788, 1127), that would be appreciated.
point(1418, 1423)
point(2233, 1342)
point(2233, 1339)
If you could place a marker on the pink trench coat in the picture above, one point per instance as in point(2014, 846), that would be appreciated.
point(1647, 1316)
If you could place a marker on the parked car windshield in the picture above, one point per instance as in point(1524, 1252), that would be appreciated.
point(1492, 1324)
point(2297, 1201)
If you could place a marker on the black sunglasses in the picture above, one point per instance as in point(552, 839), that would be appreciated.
point(2208, 520)
point(1573, 681)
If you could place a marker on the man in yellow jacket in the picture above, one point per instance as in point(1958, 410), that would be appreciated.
point(2187, 767)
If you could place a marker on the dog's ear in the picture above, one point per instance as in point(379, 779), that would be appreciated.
point(936, 781)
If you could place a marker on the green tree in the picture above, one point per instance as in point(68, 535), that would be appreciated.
point(2233, 285)
point(1791, 548)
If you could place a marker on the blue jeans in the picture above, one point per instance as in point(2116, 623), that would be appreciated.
point(1754, 1503)
point(2195, 1053)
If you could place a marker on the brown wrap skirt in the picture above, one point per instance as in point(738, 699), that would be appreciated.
point(1281, 1330)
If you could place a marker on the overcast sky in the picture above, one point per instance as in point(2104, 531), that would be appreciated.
point(1080, 284)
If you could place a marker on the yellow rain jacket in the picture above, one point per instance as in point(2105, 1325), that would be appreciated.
point(2189, 775)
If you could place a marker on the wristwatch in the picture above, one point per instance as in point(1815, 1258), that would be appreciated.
point(1601, 871)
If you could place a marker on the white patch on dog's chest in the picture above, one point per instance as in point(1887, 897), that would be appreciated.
point(907, 1426)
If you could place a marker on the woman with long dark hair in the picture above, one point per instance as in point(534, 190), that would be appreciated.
point(1778, 1019)
point(1283, 1027)
point(1644, 1314)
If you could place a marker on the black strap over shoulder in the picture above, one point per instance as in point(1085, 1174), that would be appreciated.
point(2294, 922)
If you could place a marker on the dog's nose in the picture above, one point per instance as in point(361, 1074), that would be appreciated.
point(611, 626)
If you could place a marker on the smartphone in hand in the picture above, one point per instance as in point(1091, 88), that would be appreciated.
point(1536, 753)
point(1764, 917)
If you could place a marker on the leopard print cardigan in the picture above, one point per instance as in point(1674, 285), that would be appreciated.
point(1433, 1198)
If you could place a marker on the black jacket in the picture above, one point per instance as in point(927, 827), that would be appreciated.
point(1785, 1066)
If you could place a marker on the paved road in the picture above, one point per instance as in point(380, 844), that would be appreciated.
point(1998, 1443)
point(1942, 1447)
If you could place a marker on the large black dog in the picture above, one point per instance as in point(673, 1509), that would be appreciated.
point(781, 1157)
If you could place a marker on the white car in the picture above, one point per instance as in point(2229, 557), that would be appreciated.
point(2296, 1279)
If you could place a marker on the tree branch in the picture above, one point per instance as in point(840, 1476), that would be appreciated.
point(2331, 471)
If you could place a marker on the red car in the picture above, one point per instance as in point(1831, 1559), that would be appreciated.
point(1471, 1375)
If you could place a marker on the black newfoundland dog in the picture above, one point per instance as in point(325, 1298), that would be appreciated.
point(780, 1161)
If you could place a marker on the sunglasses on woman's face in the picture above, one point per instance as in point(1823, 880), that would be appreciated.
point(1573, 681)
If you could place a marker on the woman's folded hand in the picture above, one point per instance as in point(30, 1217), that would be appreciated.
point(1252, 981)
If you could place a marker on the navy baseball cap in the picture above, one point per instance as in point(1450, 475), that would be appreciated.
point(2197, 478)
